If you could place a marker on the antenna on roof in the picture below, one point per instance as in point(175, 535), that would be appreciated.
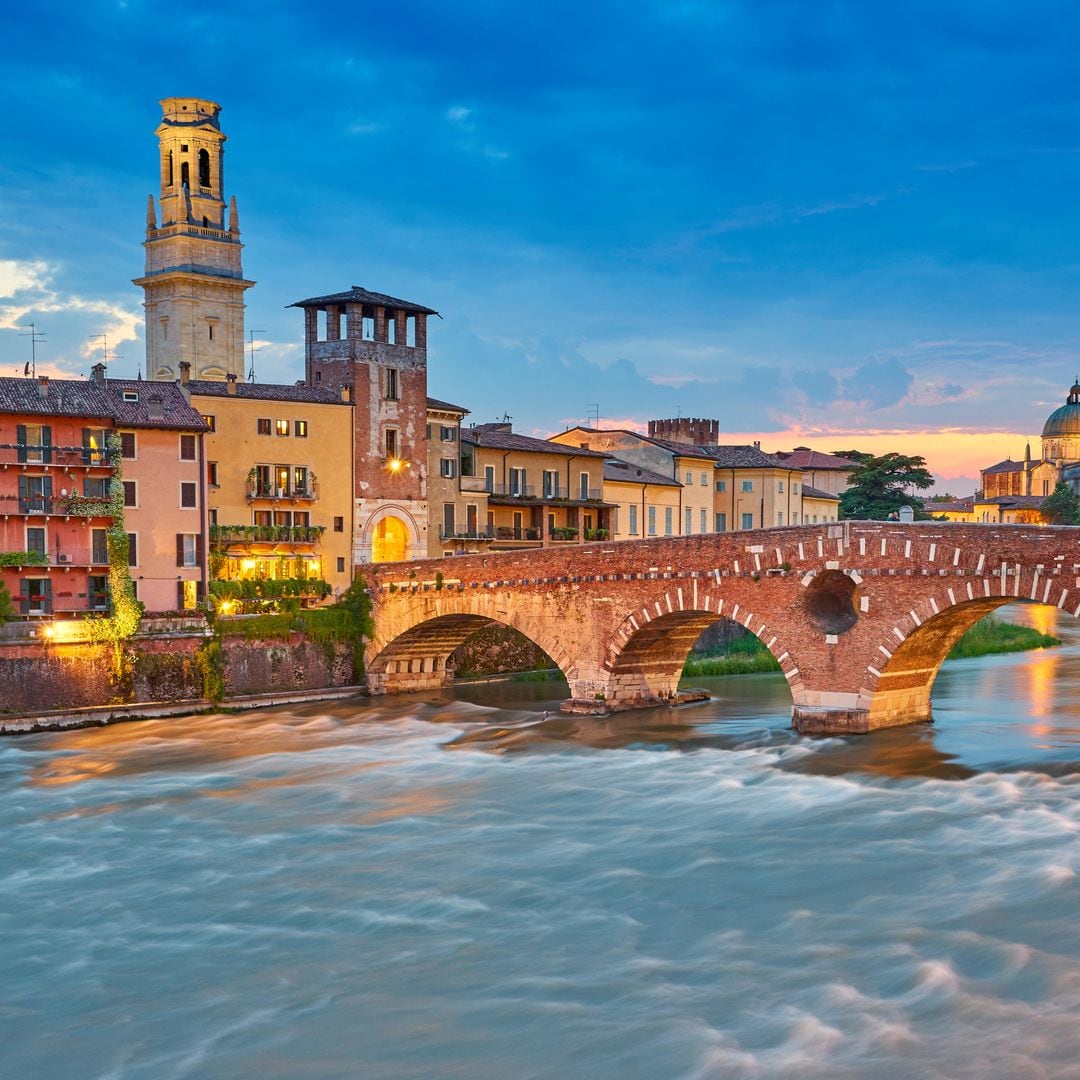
point(251, 351)
point(35, 336)
point(592, 412)
point(108, 357)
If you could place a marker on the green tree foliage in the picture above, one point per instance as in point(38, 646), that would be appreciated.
point(7, 608)
point(1062, 506)
point(881, 485)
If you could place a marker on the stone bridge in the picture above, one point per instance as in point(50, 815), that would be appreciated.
point(860, 615)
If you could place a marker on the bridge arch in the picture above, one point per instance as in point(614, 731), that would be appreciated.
point(900, 676)
point(415, 653)
point(648, 651)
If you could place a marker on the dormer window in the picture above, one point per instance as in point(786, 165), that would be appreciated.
point(132, 396)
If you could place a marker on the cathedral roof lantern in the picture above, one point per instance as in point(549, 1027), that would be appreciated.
point(1066, 420)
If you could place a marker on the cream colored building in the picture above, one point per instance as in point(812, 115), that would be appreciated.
point(457, 505)
point(642, 500)
point(193, 283)
point(278, 480)
point(538, 493)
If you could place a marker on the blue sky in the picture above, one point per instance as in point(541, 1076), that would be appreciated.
point(844, 224)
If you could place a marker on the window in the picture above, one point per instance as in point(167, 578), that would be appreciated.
point(794, 489)
point(748, 521)
point(652, 520)
point(704, 521)
point(341, 564)
point(704, 481)
point(204, 168)
point(721, 486)
point(447, 467)
point(37, 596)
point(35, 443)
point(185, 172)
point(428, 430)
point(131, 493)
point(133, 549)
point(262, 425)
point(779, 518)
point(187, 494)
point(748, 485)
point(688, 522)
point(210, 327)
point(95, 487)
point(689, 479)
point(448, 434)
point(300, 429)
point(35, 540)
point(211, 517)
point(93, 440)
point(35, 494)
point(551, 484)
point(300, 479)
point(339, 524)
point(390, 384)
point(449, 523)
point(794, 519)
point(489, 478)
point(97, 595)
point(391, 441)
point(583, 485)
point(262, 517)
point(301, 517)
point(517, 482)
point(282, 427)
point(187, 447)
point(127, 444)
point(780, 487)
point(210, 422)
point(721, 522)
point(187, 552)
point(99, 546)
point(633, 520)
point(668, 518)
point(212, 473)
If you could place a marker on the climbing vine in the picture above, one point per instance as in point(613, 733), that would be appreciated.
point(122, 620)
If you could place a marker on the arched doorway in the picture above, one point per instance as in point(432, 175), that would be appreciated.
point(390, 541)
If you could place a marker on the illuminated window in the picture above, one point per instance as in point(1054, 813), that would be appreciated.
point(300, 429)
point(282, 427)
point(391, 442)
point(210, 422)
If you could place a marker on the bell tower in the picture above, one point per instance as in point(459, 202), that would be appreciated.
point(194, 284)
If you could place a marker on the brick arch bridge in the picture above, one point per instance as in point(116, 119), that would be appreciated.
point(860, 615)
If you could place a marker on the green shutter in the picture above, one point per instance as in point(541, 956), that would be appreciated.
point(20, 439)
point(46, 444)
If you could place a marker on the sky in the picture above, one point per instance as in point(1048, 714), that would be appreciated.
point(842, 225)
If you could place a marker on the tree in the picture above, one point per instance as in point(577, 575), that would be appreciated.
point(7, 608)
point(881, 485)
point(1061, 506)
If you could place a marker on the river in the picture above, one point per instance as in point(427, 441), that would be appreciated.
point(453, 886)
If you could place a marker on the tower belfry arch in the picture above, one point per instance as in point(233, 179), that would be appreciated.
point(194, 283)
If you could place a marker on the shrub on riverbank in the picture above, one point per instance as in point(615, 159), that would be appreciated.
point(992, 635)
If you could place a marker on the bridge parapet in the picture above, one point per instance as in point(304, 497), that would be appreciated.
point(858, 614)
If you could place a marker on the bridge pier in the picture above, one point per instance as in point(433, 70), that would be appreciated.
point(859, 714)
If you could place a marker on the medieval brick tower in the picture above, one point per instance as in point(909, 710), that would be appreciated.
point(193, 285)
point(377, 345)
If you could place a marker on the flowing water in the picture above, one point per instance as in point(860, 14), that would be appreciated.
point(456, 886)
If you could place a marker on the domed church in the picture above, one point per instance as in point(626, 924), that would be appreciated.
point(1014, 490)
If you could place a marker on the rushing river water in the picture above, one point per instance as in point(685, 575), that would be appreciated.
point(456, 887)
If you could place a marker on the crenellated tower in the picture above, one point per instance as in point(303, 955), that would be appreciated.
point(193, 284)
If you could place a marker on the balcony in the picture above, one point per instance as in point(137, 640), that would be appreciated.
point(308, 492)
point(51, 457)
point(513, 491)
point(476, 484)
point(222, 535)
point(65, 560)
point(488, 534)
point(508, 532)
point(55, 506)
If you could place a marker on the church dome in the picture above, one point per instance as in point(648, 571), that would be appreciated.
point(1066, 420)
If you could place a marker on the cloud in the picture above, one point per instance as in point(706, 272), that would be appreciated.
point(878, 384)
point(459, 116)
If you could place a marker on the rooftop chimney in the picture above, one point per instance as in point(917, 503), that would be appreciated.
point(155, 407)
point(230, 384)
point(97, 374)
point(43, 385)
point(346, 392)
point(185, 372)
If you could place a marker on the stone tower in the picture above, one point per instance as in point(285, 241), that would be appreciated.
point(377, 345)
point(193, 285)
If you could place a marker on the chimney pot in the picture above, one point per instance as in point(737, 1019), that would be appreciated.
point(230, 384)
point(346, 392)
point(185, 372)
point(43, 385)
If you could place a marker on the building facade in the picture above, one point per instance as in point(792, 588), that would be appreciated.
point(458, 505)
point(193, 284)
point(278, 483)
point(377, 346)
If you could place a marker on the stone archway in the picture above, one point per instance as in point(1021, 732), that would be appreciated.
point(390, 540)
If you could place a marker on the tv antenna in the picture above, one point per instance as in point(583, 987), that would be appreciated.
point(251, 351)
point(35, 335)
point(592, 412)
point(107, 356)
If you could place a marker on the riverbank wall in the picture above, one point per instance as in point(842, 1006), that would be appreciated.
point(166, 663)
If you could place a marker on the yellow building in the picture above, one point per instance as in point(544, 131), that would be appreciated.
point(279, 483)
point(817, 505)
point(457, 505)
point(538, 493)
point(641, 499)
